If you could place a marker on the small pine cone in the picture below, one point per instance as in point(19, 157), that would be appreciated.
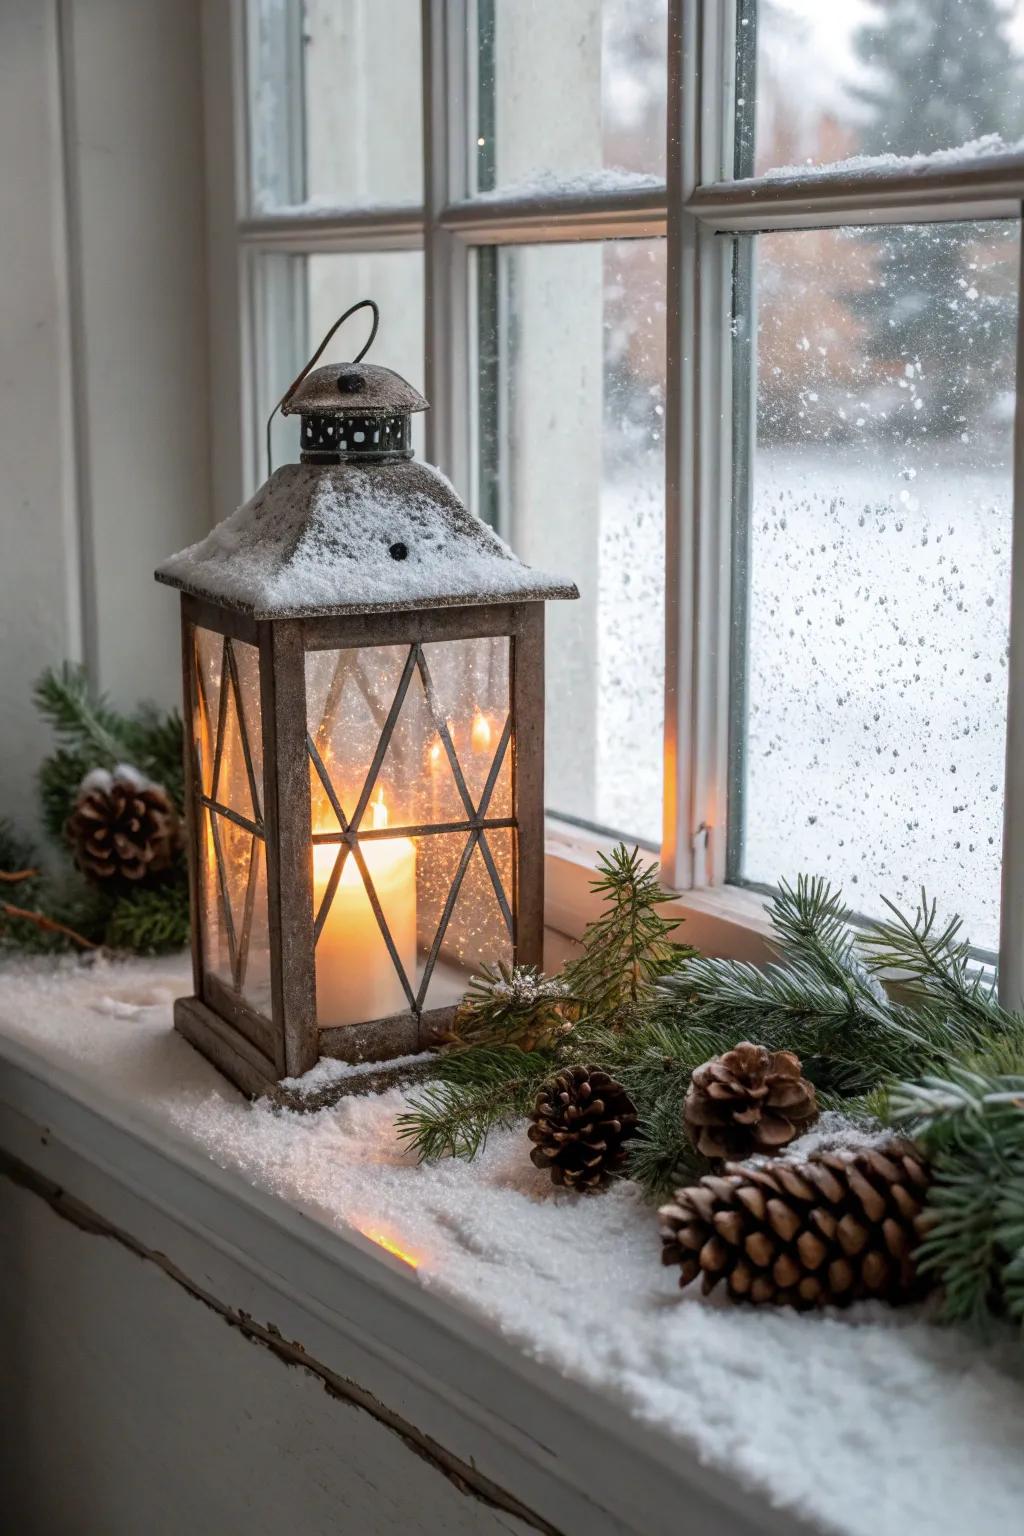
point(121, 827)
point(749, 1100)
point(580, 1123)
point(839, 1227)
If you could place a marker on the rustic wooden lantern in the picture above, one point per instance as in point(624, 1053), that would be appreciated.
point(364, 706)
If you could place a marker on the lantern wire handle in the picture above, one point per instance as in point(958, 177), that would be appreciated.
point(363, 304)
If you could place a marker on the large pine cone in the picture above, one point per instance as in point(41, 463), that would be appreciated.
point(581, 1121)
point(749, 1100)
point(121, 827)
point(839, 1227)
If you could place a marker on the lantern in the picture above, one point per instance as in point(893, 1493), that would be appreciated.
point(363, 685)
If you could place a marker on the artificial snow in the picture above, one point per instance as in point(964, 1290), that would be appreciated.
point(988, 144)
point(320, 539)
point(868, 1423)
point(329, 1072)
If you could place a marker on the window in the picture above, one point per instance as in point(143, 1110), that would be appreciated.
point(715, 302)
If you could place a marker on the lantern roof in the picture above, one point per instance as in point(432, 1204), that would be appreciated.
point(323, 539)
point(356, 389)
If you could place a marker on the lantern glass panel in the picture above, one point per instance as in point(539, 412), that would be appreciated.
point(232, 857)
point(235, 936)
point(478, 928)
point(413, 743)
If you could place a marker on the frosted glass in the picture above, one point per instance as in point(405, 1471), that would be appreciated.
point(876, 574)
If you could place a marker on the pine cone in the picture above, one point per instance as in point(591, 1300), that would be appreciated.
point(121, 827)
point(749, 1100)
point(839, 1227)
point(580, 1122)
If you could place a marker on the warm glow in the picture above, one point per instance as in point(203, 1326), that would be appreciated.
point(390, 1247)
point(436, 753)
point(481, 732)
point(356, 978)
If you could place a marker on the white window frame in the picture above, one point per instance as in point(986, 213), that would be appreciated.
point(698, 205)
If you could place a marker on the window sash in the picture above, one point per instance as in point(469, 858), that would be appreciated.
point(698, 205)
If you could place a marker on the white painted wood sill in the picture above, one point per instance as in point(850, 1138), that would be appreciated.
point(523, 1448)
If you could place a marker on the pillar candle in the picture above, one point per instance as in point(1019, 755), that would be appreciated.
point(356, 978)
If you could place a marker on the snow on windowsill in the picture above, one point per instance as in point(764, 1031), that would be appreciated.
point(324, 206)
point(988, 146)
point(868, 1423)
point(607, 182)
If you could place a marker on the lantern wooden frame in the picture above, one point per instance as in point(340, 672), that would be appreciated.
point(255, 1052)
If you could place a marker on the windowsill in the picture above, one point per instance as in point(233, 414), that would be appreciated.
point(100, 1122)
point(719, 920)
point(539, 1342)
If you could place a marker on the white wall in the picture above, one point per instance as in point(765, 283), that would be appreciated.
point(104, 447)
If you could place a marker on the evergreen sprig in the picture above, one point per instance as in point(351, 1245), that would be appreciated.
point(513, 1032)
point(60, 908)
point(92, 734)
point(970, 1124)
point(627, 948)
point(473, 1093)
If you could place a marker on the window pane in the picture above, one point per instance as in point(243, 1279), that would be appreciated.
point(572, 354)
point(875, 565)
point(570, 92)
point(862, 77)
point(297, 300)
point(334, 108)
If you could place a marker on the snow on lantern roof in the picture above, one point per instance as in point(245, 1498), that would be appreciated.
point(343, 389)
point(321, 539)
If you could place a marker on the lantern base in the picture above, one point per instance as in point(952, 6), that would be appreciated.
point(255, 1075)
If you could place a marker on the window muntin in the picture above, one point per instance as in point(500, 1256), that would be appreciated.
point(580, 379)
point(876, 564)
point(571, 94)
point(907, 77)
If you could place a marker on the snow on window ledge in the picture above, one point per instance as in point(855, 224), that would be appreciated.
point(549, 185)
point(988, 147)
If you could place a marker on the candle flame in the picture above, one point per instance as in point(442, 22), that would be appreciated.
point(481, 732)
point(435, 754)
point(379, 810)
point(385, 1242)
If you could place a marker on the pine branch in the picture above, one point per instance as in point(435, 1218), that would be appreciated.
point(84, 723)
point(935, 965)
point(970, 1125)
point(156, 743)
point(627, 948)
point(475, 1092)
point(152, 920)
point(812, 925)
point(60, 775)
point(661, 1155)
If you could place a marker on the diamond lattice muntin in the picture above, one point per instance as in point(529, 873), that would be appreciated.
point(228, 749)
point(420, 734)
